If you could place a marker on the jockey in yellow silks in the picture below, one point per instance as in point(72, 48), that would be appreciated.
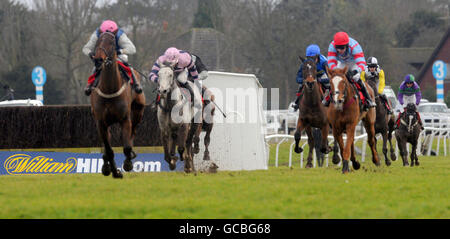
point(373, 70)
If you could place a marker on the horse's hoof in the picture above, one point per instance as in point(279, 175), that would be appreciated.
point(417, 163)
point(188, 170)
point(345, 167)
point(309, 165)
point(393, 157)
point(298, 150)
point(173, 164)
point(405, 164)
point(377, 163)
point(117, 174)
point(326, 150)
point(106, 169)
point(388, 162)
point(412, 164)
point(127, 165)
point(206, 157)
point(356, 165)
point(196, 149)
point(336, 159)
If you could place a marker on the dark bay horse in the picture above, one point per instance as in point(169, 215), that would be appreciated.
point(383, 122)
point(408, 132)
point(344, 114)
point(175, 114)
point(312, 113)
point(206, 125)
point(114, 101)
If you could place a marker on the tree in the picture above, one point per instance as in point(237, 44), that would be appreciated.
point(208, 15)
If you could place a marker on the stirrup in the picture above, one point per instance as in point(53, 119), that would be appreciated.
point(137, 88)
point(88, 90)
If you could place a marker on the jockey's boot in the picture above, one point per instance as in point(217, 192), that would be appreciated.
point(369, 102)
point(386, 103)
point(89, 87)
point(136, 86)
point(326, 98)
point(420, 120)
point(191, 91)
point(296, 104)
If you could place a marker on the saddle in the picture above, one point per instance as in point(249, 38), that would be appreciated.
point(124, 70)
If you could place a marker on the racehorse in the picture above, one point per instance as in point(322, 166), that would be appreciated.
point(312, 113)
point(114, 101)
point(408, 132)
point(207, 124)
point(344, 114)
point(382, 122)
point(174, 118)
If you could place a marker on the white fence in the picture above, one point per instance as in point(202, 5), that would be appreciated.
point(429, 137)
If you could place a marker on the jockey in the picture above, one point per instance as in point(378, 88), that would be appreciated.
point(409, 92)
point(373, 70)
point(182, 60)
point(124, 46)
point(321, 63)
point(346, 51)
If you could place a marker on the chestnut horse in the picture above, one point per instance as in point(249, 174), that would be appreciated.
point(344, 114)
point(114, 101)
point(312, 113)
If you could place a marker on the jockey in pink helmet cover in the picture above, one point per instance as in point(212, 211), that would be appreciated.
point(124, 47)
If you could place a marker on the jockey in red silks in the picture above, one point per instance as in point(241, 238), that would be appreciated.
point(183, 63)
point(124, 46)
point(346, 51)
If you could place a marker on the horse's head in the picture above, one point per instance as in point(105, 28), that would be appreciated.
point(410, 117)
point(372, 81)
point(105, 49)
point(166, 79)
point(309, 70)
point(338, 86)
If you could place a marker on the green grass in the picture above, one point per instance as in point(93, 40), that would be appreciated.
point(371, 192)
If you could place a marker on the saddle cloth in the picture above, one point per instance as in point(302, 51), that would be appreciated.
point(122, 67)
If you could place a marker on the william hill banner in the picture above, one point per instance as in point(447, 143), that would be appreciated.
point(34, 163)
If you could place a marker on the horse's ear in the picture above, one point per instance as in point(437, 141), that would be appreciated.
point(345, 70)
point(301, 59)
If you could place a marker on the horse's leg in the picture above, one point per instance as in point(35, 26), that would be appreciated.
point(165, 142)
point(207, 140)
point(298, 135)
point(183, 134)
point(355, 163)
point(370, 129)
point(311, 147)
point(338, 141)
point(325, 149)
point(109, 165)
point(348, 147)
point(385, 150)
point(196, 139)
point(393, 157)
point(413, 153)
point(402, 147)
point(172, 145)
point(127, 145)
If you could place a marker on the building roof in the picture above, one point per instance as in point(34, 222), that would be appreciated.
point(432, 58)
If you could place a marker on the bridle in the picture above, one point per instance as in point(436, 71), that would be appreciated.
point(109, 55)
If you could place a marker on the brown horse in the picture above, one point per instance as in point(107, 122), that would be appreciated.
point(344, 114)
point(114, 101)
point(408, 132)
point(383, 123)
point(312, 113)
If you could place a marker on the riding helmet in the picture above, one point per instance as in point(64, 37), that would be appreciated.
point(312, 50)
